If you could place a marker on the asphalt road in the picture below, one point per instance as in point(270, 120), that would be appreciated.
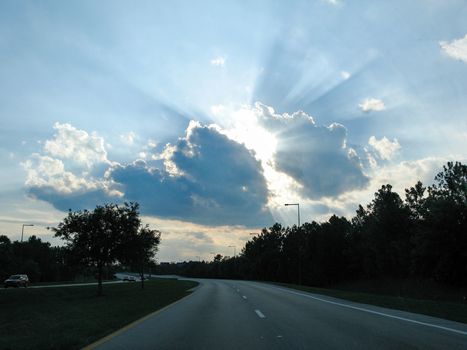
point(222, 314)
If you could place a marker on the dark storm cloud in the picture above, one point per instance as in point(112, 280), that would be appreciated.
point(216, 181)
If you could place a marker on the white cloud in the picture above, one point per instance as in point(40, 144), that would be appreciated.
point(401, 176)
point(184, 240)
point(73, 161)
point(406, 173)
point(456, 49)
point(45, 171)
point(372, 104)
point(385, 148)
point(345, 75)
point(76, 145)
point(128, 138)
point(151, 144)
point(218, 61)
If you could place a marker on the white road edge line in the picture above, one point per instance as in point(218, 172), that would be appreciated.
point(244, 297)
point(260, 314)
point(377, 312)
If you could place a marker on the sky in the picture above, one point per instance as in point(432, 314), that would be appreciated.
point(214, 114)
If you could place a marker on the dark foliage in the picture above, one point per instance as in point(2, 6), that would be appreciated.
point(39, 260)
point(107, 235)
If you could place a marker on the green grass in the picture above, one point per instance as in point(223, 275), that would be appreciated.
point(450, 307)
point(72, 317)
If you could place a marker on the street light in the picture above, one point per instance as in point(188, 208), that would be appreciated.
point(235, 249)
point(299, 246)
point(298, 207)
point(22, 230)
point(235, 258)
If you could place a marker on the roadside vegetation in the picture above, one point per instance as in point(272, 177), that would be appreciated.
point(72, 317)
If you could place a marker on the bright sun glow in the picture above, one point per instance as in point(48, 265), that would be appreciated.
point(242, 125)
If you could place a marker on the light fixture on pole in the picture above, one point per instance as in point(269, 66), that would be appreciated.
point(298, 209)
point(299, 247)
point(235, 250)
point(22, 230)
point(235, 258)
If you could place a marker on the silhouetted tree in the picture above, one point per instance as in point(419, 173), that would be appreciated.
point(441, 242)
point(383, 235)
point(263, 253)
point(139, 248)
point(96, 237)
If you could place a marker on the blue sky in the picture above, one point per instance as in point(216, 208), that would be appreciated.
point(214, 114)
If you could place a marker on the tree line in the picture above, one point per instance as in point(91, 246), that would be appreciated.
point(421, 236)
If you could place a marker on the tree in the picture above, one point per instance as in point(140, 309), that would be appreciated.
point(139, 248)
point(381, 236)
point(263, 253)
point(441, 242)
point(415, 200)
point(6, 257)
point(98, 237)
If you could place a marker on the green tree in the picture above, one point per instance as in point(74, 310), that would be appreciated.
point(382, 235)
point(97, 237)
point(139, 248)
point(440, 250)
point(7, 258)
point(263, 253)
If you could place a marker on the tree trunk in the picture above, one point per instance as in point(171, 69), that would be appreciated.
point(142, 276)
point(99, 279)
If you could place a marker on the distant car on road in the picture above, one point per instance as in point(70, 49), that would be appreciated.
point(130, 278)
point(16, 281)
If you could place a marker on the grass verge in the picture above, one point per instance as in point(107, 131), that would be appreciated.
point(455, 311)
point(72, 317)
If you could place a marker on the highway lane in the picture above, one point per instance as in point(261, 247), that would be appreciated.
point(223, 314)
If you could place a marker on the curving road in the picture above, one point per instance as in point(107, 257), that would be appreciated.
point(223, 314)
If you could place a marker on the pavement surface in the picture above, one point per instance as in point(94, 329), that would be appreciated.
point(225, 314)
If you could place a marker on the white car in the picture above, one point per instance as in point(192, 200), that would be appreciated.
point(130, 278)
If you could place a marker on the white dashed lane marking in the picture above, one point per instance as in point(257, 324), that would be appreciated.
point(260, 314)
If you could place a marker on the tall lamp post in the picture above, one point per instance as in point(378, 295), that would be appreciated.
point(234, 249)
point(22, 230)
point(299, 247)
point(298, 210)
point(235, 257)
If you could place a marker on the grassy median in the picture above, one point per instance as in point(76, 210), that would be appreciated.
point(72, 317)
point(450, 307)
